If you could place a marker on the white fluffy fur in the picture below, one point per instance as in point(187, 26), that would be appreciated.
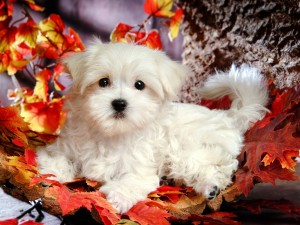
point(155, 137)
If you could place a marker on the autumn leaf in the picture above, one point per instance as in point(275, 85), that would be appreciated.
point(44, 117)
point(28, 32)
point(41, 86)
point(71, 201)
point(34, 6)
point(161, 8)
point(175, 24)
point(10, 119)
point(222, 103)
point(58, 69)
point(151, 40)
point(52, 28)
point(144, 214)
point(9, 222)
point(119, 32)
point(272, 145)
point(23, 171)
point(171, 193)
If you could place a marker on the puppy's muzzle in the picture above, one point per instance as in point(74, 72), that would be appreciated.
point(119, 105)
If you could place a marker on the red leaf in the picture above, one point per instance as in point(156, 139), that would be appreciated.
point(71, 201)
point(9, 222)
point(42, 178)
point(152, 40)
point(30, 157)
point(144, 214)
point(171, 193)
point(119, 32)
point(272, 145)
point(222, 103)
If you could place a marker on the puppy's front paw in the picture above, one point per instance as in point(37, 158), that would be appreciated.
point(121, 202)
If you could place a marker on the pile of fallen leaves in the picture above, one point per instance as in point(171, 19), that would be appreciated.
point(270, 150)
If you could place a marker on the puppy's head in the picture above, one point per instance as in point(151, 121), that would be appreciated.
point(122, 87)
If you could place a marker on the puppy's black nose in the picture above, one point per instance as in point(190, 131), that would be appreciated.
point(119, 104)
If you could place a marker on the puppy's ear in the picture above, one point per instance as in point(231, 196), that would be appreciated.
point(74, 64)
point(172, 77)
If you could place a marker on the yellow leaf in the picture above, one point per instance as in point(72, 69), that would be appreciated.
point(175, 24)
point(41, 86)
point(28, 33)
point(24, 171)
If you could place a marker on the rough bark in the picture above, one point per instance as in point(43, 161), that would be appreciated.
point(264, 33)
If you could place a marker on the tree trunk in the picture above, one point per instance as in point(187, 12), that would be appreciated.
point(263, 33)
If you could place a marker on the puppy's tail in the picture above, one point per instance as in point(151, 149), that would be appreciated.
point(247, 89)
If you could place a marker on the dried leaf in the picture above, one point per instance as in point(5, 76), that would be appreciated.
point(144, 214)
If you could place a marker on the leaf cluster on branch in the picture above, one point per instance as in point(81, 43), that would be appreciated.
point(269, 152)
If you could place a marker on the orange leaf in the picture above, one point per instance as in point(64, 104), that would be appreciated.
point(71, 201)
point(144, 214)
point(160, 8)
point(119, 32)
point(11, 120)
point(41, 86)
point(175, 24)
point(34, 6)
point(53, 28)
point(152, 40)
point(25, 172)
point(44, 117)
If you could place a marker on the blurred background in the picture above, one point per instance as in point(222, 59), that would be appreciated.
point(93, 18)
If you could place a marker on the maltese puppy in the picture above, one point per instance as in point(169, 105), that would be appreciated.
point(124, 131)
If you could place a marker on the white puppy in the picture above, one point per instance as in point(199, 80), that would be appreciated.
point(124, 130)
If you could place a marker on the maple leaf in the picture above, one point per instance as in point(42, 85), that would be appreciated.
point(271, 145)
point(119, 32)
point(41, 86)
point(175, 24)
point(171, 193)
point(33, 5)
point(44, 117)
point(10, 119)
point(144, 214)
point(23, 171)
point(151, 40)
point(222, 103)
point(28, 32)
point(71, 201)
point(58, 69)
point(161, 8)
point(53, 28)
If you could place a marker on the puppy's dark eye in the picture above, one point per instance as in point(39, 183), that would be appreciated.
point(140, 85)
point(104, 82)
